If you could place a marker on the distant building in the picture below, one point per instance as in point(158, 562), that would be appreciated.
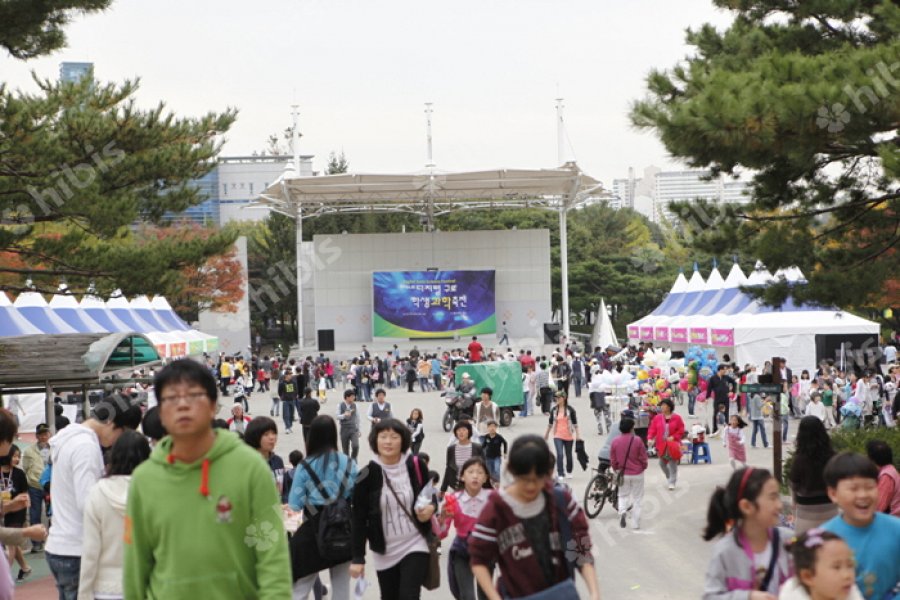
point(235, 182)
point(652, 194)
point(72, 72)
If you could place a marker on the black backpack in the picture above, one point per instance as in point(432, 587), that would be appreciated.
point(333, 536)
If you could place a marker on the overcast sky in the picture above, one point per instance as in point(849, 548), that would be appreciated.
point(361, 71)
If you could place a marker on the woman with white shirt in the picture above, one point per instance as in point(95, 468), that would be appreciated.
point(104, 521)
point(384, 514)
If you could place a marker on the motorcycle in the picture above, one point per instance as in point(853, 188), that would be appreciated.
point(459, 407)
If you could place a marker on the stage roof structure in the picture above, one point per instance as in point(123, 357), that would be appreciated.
point(432, 193)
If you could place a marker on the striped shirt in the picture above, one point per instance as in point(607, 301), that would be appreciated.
point(463, 453)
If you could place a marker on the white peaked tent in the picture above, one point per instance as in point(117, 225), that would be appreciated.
point(197, 342)
point(12, 323)
point(603, 334)
point(172, 345)
point(67, 308)
point(677, 329)
point(33, 307)
point(679, 288)
point(736, 324)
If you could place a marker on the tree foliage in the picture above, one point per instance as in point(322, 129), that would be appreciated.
point(806, 96)
point(29, 29)
point(80, 164)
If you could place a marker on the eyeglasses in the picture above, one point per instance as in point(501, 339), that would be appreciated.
point(190, 398)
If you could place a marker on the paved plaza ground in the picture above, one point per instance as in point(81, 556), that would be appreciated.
point(664, 559)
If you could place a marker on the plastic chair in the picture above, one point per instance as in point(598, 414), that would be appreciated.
point(698, 456)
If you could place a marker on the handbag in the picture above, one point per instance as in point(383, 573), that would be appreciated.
point(433, 572)
point(620, 477)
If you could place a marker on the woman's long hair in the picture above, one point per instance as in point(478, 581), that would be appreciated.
point(812, 450)
point(322, 436)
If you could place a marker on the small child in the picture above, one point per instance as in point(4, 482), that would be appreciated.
point(874, 537)
point(823, 567)
point(463, 508)
point(494, 446)
point(748, 559)
point(721, 421)
point(733, 439)
point(294, 458)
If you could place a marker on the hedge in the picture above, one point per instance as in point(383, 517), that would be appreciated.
point(855, 440)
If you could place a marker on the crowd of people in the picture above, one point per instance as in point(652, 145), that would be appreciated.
point(161, 512)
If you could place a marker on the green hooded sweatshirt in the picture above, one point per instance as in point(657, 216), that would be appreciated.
point(209, 529)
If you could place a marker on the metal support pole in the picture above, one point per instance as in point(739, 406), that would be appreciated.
point(563, 229)
point(295, 147)
point(564, 268)
point(50, 409)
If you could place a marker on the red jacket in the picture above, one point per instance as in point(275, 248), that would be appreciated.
point(658, 427)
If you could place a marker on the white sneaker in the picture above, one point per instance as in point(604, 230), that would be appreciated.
point(561, 479)
point(288, 430)
point(569, 476)
point(671, 486)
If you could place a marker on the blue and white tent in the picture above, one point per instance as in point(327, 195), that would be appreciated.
point(12, 322)
point(68, 309)
point(33, 307)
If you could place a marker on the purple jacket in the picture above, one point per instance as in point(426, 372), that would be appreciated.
point(636, 461)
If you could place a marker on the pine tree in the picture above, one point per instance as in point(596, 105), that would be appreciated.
point(80, 164)
point(29, 29)
point(806, 97)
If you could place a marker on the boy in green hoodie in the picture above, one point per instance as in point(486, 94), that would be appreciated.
point(203, 518)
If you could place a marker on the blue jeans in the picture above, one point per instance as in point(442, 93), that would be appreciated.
point(66, 570)
point(36, 496)
point(759, 425)
point(577, 381)
point(784, 428)
point(437, 381)
point(563, 446)
point(493, 465)
point(526, 405)
point(692, 400)
point(287, 412)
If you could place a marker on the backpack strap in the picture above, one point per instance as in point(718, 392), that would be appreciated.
point(565, 527)
point(318, 482)
point(773, 561)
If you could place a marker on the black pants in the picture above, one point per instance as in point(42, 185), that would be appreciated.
point(404, 580)
point(546, 396)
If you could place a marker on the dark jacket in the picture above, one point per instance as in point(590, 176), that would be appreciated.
point(309, 408)
point(367, 525)
point(451, 473)
point(719, 388)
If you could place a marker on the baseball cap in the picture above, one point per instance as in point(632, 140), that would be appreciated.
point(42, 428)
point(628, 414)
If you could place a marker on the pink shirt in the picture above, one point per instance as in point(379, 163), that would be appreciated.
point(562, 428)
point(889, 490)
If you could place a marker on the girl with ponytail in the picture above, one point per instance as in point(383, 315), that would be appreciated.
point(749, 560)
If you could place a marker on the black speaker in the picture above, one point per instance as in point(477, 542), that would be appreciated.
point(551, 333)
point(326, 340)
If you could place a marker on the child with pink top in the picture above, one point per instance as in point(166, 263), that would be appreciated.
point(463, 508)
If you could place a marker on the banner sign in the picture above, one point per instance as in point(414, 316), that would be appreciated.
point(722, 337)
point(661, 334)
point(433, 304)
point(634, 332)
point(678, 335)
point(646, 333)
point(699, 335)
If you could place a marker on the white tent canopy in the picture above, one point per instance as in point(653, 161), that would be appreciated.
point(733, 322)
point(603, 334)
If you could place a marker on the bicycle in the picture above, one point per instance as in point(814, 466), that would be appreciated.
point(602, 488)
